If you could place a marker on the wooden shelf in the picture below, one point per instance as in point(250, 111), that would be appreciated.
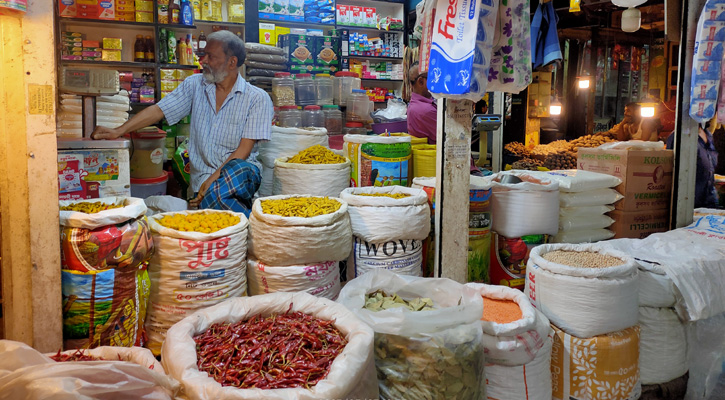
point(178, 66)
point(120, 64)
point(365, 28)
point(372, 3)
point(298, 24)
point(220, 23)
point(103, 22)
point(381, 80)
point(177, 26)
point(376, 58)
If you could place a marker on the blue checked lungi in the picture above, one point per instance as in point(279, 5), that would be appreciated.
point(234, 189)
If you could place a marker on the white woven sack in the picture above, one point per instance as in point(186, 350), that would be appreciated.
point(193, 270)
point(351, 375)
point(382, 219)
point(596, 197)
point(132, 208)
point(577, 180)
point(319, 279)
point(528, 382)
point(312, 179)
point(656, 289)
point(584, 236)
point(403, 256)
point(527, 208)
point(583, 302)
point(286, 142)
point(515, 343)
point(585, 211)
point(278, 240)
point(266, 187)
point(580, 223)
point(662, 346)
point(138, 355)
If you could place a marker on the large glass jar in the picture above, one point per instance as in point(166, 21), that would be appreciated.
point(323, 84)
point(354, 128)
point(313, 116)
point(305, 90)
point(359, 106)
point(333, 119)
point(290, 117)
point(345, 82)
point(283, 89)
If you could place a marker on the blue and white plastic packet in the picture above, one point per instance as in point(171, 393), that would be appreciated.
point(461, 48)
point(707, 62)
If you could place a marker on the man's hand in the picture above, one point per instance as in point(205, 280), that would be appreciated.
point(202, 190)
point(101, 132)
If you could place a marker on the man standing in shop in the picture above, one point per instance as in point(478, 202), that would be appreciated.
point(422, 110)
point(228, 117)
point(633, 126)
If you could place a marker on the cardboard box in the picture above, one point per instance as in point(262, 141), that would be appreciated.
point(279, 31)
point(267, 34)
point(112, 44)
point(111, 55)
point(300, 49)
point(96, 9)
point(646, 175)
point(639, 224)
point(327, 52)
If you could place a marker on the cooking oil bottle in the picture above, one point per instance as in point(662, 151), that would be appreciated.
point(235, 10)
point(216, 10)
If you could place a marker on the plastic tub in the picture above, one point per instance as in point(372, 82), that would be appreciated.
point(305, 90)
point(359, 106)
point(290, 117)
point(147, 156)
point(391, 127)
point(333, 119)
point(354, 128)
point(345, 82)
point(323, 84)
point(283, 89)
point(313, 116)
point(143, 188)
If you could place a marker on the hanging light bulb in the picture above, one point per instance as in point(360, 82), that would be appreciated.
point(583, 82)
point(631, 19)
point(555, 108)
point(647, 110)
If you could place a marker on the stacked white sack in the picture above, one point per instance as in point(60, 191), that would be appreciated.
point(662, 345)
point(530, 207)
point(285, 142)
point(585, 198)
point(388, 233)
point(518, 354)
point(312, 179)
point(111, 112)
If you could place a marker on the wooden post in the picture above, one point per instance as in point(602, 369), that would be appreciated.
point(452, 188)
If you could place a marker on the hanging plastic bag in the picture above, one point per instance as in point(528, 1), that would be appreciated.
point(510, 69)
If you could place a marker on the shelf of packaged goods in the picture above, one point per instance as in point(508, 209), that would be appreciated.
point(297, 24)
point(103, 22)
point(177, 26)
point(381, 80)
point(120, 64)
point(375, 58)
point(220, 23)
point(178, 66)
point(372, 3)
point(365, 28)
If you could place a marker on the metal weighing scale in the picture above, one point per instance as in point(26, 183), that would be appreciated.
point(90, 168)
point(485, 124)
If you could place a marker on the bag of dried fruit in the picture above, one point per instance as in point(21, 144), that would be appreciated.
point(104, 246)
point(585, 290)
point(201, 260)
point(428, 337)
point(293, 346)
point(299, 229)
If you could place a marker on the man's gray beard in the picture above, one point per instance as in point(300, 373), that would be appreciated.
point(214, 76)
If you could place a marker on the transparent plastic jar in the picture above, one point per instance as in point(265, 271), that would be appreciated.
point(305, 90)
point(345, 82)
point(354, 128)
point(359, 106)
point(323, 84)
point(333, 119)
point(283, 89)
point(313, 116)
point(290, 117)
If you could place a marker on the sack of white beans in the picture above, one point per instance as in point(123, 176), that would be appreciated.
point(586, 290)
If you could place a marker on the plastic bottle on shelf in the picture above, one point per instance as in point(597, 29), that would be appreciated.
point(206, 10)
point(149, 49)
point(182, 51)
point(333, 119)
point(305, 91)
point(235, 11)
point(202, 42)
point(354, 128)
point(290, 117)
point(283, 89)
point(139, 49)
point(187, 14)
point(174, 11)
point(323, 87)
point(194, 44)
point(313, 116)
point(216, 10)
point(163, 45)
point(171, 49)
point(196, 8)
point(359, 106)
point(189, 52)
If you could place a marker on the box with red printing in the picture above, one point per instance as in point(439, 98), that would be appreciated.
point(96, 9)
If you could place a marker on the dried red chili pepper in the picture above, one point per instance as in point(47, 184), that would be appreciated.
point(280, 351)
point(77, 355)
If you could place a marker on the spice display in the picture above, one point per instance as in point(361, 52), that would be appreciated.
point(207, 222)
point(90, 208)
point(379, 300)
point(77, 355)
point(589, 141)
point(563, 160)
point(586, 259)
point(516, 149)
point(529, 164)
point(283, 95)
point(316, 155)
point(301, 206)
point(280, 351)
point(501, 311)
point(391, 195)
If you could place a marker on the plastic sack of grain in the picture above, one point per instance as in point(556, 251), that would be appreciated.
point(435, 354)
point(581, 224)
point(583, 236)
point(656, 289)
point(530, 207)
point(351, 375)
point(125, 373)
point(599, 367)
point(662, 345)
point(378, 160)
point(318, 279)
point(512, 343)
point(193, 270)
point(577, 180)
point(402, 256)
point(285, 142)
point(531, 381)
point(593, 197)
point(279, 240)
point(594, 295)
point(375, 217)
point(584, 211)
point(312, 179)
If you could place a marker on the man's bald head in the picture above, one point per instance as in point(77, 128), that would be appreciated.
point(418, 81)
